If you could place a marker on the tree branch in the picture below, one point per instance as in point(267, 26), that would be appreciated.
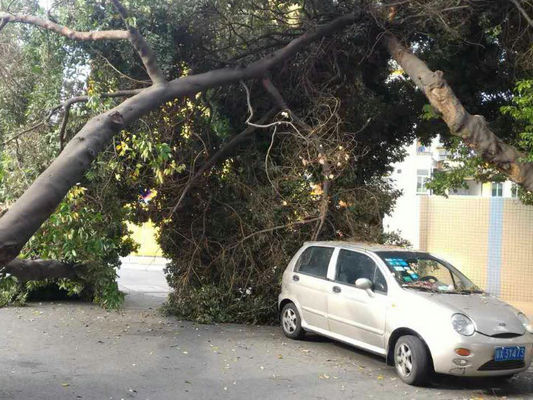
point(38, 270)
point(280, 101)
point(141, 46)
point(122, 74)
point(473, 129)
point(274, 93)
point(324, 202)
point(23, 132)
point(63, 128)
point(110, 95)
point(40, 200)
point(66, 105)
point(274, 228)
point(80, 99)
point(63, 30)
point(523, 12)
point(326, 168)
point(132, 34)
point(222, 153)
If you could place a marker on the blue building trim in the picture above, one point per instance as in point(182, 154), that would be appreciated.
point(494, 263)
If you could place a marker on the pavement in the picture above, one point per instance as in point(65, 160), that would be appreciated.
point(143, 281)
point(73, 350)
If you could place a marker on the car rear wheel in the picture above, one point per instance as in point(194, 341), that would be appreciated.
point(411, 359)
point(291, 323)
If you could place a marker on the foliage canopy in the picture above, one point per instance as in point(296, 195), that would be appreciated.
point(333, 120)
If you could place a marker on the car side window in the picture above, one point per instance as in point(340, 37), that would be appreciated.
point(314, 261)
point(352, 266)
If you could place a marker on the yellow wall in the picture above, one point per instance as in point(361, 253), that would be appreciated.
point(517, 251)
point(456, 228)
point(145, 235)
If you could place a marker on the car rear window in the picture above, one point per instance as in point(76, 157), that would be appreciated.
point(314, 261)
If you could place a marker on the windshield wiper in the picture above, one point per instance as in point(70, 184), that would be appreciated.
point(470, 291)
point(423, 288)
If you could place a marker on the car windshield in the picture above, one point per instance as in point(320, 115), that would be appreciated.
point(422, 271)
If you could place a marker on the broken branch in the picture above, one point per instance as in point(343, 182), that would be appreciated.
point(473, 129)
point(141, 46)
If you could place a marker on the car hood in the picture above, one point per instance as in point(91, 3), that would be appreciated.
point(491, 316)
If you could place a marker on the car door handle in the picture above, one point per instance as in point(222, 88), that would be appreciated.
point(336, 289)
point(295, 278)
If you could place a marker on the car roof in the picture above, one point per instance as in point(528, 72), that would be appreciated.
point(359, 245)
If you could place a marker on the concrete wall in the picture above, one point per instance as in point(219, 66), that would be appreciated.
point(489, 239)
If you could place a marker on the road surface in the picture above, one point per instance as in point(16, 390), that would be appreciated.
point(55, 351)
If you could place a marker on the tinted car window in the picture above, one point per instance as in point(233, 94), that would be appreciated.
point(352, 266)
point(314, 261)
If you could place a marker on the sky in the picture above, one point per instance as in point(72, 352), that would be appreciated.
point(45, 3)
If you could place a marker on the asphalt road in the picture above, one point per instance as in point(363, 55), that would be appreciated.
point(78, 351)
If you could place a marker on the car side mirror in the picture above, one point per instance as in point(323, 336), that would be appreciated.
point(365, 284)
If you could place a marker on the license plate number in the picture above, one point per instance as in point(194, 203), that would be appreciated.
point(510, 353)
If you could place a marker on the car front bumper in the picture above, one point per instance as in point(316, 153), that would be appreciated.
point(481, 360)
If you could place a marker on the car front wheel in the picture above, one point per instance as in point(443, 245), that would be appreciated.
point(291, 323)
point(411, 359)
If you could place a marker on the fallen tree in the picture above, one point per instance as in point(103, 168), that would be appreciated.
point(21, 221)
point(40, 200)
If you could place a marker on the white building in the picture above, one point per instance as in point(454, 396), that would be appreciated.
point(411, 176)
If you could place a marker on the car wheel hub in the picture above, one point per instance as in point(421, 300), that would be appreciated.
point(289, 320)
point(404, 360)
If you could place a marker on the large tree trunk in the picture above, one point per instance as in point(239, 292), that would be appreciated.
point(473, 129)
point(38, 270)
point(41, 199)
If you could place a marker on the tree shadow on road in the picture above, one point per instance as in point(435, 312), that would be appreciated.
point(522, 384)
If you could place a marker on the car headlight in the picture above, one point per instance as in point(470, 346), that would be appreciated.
point(463, 325)
point(525, 321)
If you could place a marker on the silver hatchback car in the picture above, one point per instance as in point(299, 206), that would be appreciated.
point(415, 309)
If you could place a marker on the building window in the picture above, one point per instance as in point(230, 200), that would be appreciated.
point(514, 191)
point(497, 189)
point(422, 178)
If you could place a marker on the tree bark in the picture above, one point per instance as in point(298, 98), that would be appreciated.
point(143, 49)
point(473, 129)
point(40, 200)
point(5, 18)
point(38, 270)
